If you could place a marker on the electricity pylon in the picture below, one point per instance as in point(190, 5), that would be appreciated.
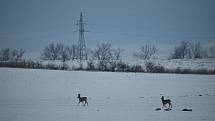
point(81, 41)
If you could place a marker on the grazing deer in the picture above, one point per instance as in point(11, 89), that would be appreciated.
point(82, 99)
point(167, 101)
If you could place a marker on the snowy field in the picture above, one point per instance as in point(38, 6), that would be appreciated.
point(45, 95)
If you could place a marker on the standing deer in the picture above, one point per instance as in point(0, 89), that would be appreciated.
point(167, 101)
point(82, 99)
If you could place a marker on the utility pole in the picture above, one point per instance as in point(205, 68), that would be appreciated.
point(81, 41)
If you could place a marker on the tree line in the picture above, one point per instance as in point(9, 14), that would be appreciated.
point(104, 57)
point(8, 54)
point(105, 52)
point(192, 50)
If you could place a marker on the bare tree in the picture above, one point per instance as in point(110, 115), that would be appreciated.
point(72, 52)
point(103, 53)
point(75, 52)
point(187, 49)
point(181, 51)
point(5, 54)
point(48, 52)
point(65, 54)
point(146, 52)
point(52, 51)
point(184, 49)
point(59, 49)
point(117, 53)
point(212, 50)
point(17, 54)
point(11, 55)
point(60, 52)
point(197, 51)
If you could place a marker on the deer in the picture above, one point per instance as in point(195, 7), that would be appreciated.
point(82, 99)
point(166, 101)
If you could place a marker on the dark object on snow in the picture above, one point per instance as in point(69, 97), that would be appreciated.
point(158, 109)
point(200, 95)
point(187, 109)
point(82, 99)
point(167, 109)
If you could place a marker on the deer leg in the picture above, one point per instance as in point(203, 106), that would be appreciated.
point(170, 105)
point(82, 102)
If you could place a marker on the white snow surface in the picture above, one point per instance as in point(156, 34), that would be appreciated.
point(47, 95)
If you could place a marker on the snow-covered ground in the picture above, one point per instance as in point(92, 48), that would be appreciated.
point(46, 95)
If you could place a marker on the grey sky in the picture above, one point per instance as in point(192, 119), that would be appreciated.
point(32, 24)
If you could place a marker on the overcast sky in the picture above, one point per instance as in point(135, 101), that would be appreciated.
point(32, 24)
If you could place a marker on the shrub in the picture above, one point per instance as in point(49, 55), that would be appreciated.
point(90, 65)
point(158, 69)
point(153, 68)
point(136, 68)
point(121, 66)
point(113, 66)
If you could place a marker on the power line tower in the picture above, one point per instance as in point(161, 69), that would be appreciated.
point(81, 41)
